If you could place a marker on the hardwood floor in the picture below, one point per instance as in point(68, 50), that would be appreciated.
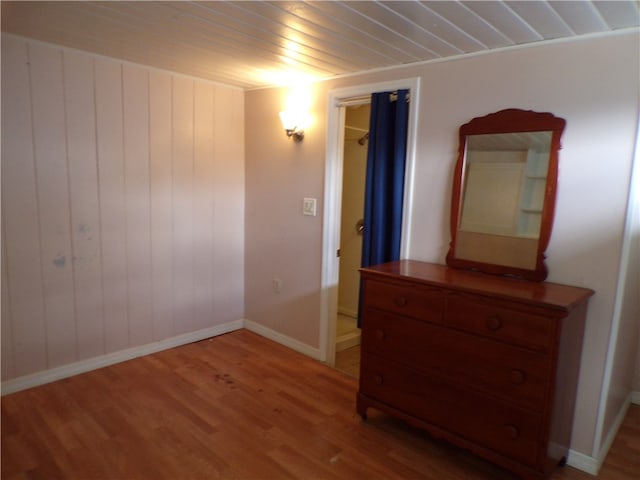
point(348, 361)
point(234, 407)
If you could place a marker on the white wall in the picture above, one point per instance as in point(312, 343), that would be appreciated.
point(591, 83)
point(625, 335)
point(122, 206)
point(623, 372)
point(280, 241)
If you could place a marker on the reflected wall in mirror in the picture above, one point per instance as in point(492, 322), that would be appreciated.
point(504, 193)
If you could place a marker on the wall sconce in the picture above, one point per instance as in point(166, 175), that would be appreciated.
point(293, 123)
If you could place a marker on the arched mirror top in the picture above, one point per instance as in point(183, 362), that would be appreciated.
point(504, 191)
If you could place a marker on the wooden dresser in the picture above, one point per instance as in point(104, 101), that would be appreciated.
point(488, 363)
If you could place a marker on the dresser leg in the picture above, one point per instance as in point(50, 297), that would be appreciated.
point(361, 408)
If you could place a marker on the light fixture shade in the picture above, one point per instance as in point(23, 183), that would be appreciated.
point(293, 123)
point(289, 120)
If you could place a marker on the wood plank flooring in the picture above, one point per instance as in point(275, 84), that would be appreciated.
point(237, 406)
point(348, 361)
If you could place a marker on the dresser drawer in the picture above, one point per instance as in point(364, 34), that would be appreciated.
point(511, 373)
point(499, 321)
point(492, 424)
point(422, 303)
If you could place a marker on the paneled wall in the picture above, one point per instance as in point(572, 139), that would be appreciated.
point(122, 206)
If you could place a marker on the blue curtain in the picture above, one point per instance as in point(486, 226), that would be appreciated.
point(384, 183)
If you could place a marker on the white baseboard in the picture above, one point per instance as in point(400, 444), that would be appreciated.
point(349, 340)
point(283, 339)
point(590, 464)
point(347, 312)
point(611, 435)
point(583, 462)
point(64, 371)
point(635, 398)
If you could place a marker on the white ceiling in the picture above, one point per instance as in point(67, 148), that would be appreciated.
point(254, 44)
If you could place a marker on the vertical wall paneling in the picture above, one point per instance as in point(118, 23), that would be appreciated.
point(228, 197)
point(203, 205)
point(219, 130)
point(122, 207)
point(136, 155)
point(5, 332)
point(183, 242)
point(20, 236)
point(52, 176)
point(161, 203)
point(110, 148)
point(85, 216)
point(236, 126)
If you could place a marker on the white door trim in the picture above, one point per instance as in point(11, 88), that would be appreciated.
point(333, 197)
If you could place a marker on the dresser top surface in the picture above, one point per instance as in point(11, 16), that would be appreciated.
point(551, 294)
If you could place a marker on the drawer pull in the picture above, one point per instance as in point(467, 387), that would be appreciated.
point(380, 334)
point(400, 301)
point(512, 431)
point(378, 379)
point(517, 376)
point(494, 323)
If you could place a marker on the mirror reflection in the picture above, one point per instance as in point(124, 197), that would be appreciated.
point(505, 183)
point(504, 193)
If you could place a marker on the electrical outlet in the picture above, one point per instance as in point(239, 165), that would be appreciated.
point(277, 285)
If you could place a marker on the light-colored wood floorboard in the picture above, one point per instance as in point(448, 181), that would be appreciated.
point(234, 407)
point(348, 361)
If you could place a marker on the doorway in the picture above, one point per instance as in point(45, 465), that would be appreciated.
point(339, 101)
point(356, 135)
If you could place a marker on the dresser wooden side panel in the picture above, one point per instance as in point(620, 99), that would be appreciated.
point(564, 386)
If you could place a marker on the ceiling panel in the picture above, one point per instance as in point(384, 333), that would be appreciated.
point(582, 17)
point(542, 18)
point(370, 32)
point(414, 34)
point(353, 42)
point(437, 25)
point(257, 43)
point(618, 14)
point(506, 21)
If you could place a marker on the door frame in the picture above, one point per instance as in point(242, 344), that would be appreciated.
point(333, 197)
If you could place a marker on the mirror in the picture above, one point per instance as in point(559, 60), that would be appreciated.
point(504, 191)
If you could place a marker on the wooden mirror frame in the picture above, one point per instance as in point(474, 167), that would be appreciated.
point(508, 121)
